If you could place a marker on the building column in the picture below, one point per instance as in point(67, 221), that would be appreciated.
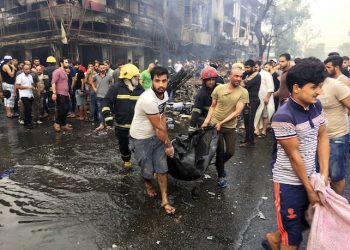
point(104, 52)
point(56, 51)
point(129, 55)
point(27, 54)
point(142, 61)
point(74, 51)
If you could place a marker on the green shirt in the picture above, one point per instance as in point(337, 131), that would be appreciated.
point(146, 79)
point(226, 103)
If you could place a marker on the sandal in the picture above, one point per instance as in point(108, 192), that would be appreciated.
point(169, 210)
point(266, 245)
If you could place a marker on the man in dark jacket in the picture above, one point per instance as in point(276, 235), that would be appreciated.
point(47, 101)
point(252, 83)
point(121, 98)
point(203, 98)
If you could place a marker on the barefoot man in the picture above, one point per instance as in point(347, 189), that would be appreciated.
point(149, 136)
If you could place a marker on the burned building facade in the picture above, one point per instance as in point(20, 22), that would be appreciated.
point(122, 30)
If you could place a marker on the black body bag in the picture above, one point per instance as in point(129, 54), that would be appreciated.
point(193, 154)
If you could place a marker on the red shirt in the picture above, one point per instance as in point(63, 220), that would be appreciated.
point(60, 78)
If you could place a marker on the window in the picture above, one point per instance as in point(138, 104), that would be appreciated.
point(123, 4)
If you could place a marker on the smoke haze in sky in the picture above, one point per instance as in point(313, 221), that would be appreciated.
point(331, 19)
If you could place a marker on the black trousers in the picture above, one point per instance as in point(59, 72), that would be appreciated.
point(62, 108)
point(122, 135)
point(73, 101)
point(225, 149)
point(27, 103)
point(249, 115)
point(16, 107)
point(44, 108)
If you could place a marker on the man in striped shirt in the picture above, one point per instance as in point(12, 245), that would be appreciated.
point(300, 130)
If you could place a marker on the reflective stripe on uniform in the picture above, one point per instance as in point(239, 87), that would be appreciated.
point(105, 109)
point(123, 126)
point(130, 97)
point(206, 107)
point(197, 110)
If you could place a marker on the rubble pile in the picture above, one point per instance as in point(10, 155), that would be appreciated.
point(182, 89)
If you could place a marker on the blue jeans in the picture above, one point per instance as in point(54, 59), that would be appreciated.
point(93, 106)
point(99, 105)
point(339, 153)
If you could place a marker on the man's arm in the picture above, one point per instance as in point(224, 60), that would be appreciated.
point(18, 85)
point(323, 151)
point(270, 88)
point(7, 69)
point(196, 112)
point(74, 82)
point(93, 84)
point(234, 114)
point(291, 147)
point(141, 78)
point(159, 124)
point(210, 113)
point(346, 102)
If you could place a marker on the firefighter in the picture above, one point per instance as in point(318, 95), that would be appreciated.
point(120, 100)
point(47, 77)
point(203, 99)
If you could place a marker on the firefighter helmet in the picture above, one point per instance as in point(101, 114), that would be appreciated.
point(128, 71)
point(208, 72)
point(51, 59)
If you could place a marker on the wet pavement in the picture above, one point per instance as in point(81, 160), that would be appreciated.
point(68, 191)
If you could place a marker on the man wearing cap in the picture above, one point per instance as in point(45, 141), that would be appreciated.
point(47, 101)
point(121, 99)
point(8, 73)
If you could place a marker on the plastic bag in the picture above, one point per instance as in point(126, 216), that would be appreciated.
point(193, 154)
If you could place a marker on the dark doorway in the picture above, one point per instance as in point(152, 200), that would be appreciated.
point(90, 53)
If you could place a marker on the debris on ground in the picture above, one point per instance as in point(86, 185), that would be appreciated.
point(261, 215)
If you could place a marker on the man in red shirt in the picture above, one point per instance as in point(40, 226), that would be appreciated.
point(60, 95)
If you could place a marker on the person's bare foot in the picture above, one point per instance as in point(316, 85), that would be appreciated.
point(274, 240)
point(67, 127)
point(101, 127)
point(57, 127)
point(149, 189)
point(169, 210)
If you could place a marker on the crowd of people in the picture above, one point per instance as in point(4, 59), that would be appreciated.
point(304, 103)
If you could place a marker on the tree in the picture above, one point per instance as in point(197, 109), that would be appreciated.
point(277, 23)
point(307, 37)
point(263, 14)
point(344, 49)
point(318, 51)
